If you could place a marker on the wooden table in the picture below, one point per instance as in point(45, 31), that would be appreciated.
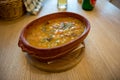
point(101, 59)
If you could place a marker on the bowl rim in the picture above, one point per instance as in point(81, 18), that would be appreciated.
point(26, 43)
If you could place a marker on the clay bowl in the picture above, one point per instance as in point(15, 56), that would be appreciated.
point(48, 54)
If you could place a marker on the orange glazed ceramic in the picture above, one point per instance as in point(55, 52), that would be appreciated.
point(51, 53)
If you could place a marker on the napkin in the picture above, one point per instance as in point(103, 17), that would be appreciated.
point(33, 6)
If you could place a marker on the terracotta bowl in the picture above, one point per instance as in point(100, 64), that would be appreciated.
point(48, 54)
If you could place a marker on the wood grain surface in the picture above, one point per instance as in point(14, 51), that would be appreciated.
point(101, 60)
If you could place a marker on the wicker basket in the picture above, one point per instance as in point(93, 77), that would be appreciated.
point(11, 9)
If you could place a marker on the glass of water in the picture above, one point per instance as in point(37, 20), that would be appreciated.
point(62, 4)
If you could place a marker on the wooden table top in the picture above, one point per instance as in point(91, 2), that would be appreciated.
point(101, 59)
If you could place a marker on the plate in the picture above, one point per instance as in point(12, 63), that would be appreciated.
point(62, 64)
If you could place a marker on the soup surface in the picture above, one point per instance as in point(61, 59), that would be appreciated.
point(54, 32)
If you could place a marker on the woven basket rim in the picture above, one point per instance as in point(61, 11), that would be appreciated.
point(12, 9)
point(7, 1)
